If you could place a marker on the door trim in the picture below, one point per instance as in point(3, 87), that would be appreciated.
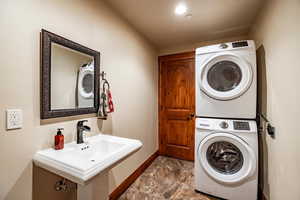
point(161, 59)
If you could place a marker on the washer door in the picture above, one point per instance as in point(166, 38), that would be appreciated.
point(86, 84)
point(226, 76)
point(226, 158)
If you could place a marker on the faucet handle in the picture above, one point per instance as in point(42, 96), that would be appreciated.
point(80, 123)
point(87, 128)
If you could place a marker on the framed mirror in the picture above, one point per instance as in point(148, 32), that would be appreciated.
point(69, 77)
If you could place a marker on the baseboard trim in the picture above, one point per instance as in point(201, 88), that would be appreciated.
point(129, 180)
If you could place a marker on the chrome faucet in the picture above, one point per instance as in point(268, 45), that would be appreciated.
point(80, 129)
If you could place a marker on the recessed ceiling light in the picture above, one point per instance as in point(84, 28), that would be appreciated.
point(180, 9)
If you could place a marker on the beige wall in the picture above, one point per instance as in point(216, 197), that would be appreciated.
point(277, 34)
point(128, 59)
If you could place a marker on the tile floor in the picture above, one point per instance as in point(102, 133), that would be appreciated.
point(166, 178)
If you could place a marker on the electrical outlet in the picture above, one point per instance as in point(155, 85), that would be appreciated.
point(14, 119)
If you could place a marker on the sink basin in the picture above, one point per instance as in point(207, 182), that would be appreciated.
point(81, 162)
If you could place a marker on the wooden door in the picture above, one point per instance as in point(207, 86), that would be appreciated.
point(177, 105)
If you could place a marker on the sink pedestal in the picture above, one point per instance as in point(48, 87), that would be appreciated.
point(96, 189)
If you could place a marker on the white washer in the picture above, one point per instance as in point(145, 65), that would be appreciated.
point(226, 158)
point(86, 86)
point(226, 80)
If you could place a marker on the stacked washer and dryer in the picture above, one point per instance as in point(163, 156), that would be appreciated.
point(226, 146)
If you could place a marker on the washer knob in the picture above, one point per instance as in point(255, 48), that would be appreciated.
point(224, 125)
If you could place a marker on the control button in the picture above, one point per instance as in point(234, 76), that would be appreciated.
point(224, 125)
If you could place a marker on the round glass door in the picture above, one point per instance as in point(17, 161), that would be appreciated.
point(226, 158)
point(86, 84)
point(225, 77)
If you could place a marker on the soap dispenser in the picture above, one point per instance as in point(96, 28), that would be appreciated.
point(59, 140)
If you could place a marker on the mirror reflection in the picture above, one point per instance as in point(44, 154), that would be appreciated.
point(72, 78)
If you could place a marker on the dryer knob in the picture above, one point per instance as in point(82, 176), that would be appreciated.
point(224, 46)
point(224, 125)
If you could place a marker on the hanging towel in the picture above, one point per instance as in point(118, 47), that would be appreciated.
point(106, 103)
point(102, 107)
point(110, 102)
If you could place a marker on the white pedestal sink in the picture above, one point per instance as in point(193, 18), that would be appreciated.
point(80, 163)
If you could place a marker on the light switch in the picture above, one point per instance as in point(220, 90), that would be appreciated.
point(14, 119)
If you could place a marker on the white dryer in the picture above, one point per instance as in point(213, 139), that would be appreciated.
point(226, 80)
point(226, 158)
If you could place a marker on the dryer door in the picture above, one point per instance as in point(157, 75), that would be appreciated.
point(86, 84)
point(225, 76)
point(226, 158)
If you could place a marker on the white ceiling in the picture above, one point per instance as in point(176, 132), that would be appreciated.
point(211, 19)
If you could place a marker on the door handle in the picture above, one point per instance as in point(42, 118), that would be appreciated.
point(191, 116)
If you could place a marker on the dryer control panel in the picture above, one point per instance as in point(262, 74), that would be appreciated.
point(240, 44)
point(244, 44)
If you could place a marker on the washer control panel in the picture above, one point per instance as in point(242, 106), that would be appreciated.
point(239, 125)
point(226, 125)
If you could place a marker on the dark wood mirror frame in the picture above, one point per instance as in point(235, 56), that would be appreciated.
point(45, 79)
